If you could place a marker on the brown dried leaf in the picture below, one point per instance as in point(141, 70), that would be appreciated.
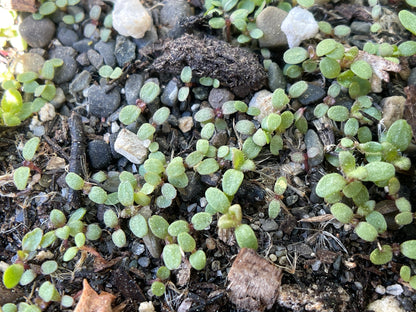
point(90, 301)
point(323, 218)
point(254, 282)
point(409, 108)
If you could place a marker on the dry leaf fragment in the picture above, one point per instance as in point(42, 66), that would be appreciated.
point(90, 301)
point(19, 5)
point(254, 282)
point(379, 64)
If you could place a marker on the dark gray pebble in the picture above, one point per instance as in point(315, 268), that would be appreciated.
point(82, 45)
point(106, 49)
point(80, 82)
point(276, 77)
point(314, 148)
point(132, 88)
point(67, 36)
point(95, 58)
point(99, 154)
point(37, 33)
point(102, 103)
point(125, 51)
point(312, 95)
point(68, 70)
point(174, 10)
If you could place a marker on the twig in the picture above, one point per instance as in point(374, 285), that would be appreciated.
point(77, 157)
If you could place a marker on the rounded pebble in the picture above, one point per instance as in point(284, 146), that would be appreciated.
point(101, 103)
point(37, 33)
point(99, 154)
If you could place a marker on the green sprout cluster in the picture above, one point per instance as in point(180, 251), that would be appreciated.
point(27, 93)
point(360, 162)
point(241, 15)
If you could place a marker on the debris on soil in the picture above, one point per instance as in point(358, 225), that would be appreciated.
point(234, 67)
point(254, 282)
point(90, 301)
point(314, 298)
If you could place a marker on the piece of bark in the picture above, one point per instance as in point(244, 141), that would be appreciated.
point(90, 301)
point(254, 282)
point(77, 157)
point(234, 67)
point(19, 5)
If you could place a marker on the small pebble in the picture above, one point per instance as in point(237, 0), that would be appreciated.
point(360, 28)
point(144, 262)
point(314, 147)
point(95, 58)
point(174, 10)
point(137, 248)
point(67, 36)
point(106, 49)
point(219, 96)
point(130, 146)
point(387, 303)
point(269, 225)
point(130, 18)
point(80, 82)
point(273, 257)
point(67, 71)
point(263, 101)
point(380, 289)
point(47, 112)
point(270, 21)
point(298, 26)
point(99, 154)
point(358, 285)
point(37, 33)
point(186, 123)
point(316, 265)
point(132, 88)
point(275, 77)
point(102, 103)
point(125, 51)
point(393, 109)
point(169, 96)
point(394, 290)
point(314, 94)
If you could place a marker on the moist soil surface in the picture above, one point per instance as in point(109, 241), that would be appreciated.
point(325, 266)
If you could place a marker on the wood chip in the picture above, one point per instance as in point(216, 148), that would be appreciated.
point(254, 282)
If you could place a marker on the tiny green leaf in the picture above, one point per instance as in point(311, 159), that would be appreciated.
point(366, 231)
point(382, 256)
point(231, 181)
point(362, 69)
point(342, 212)
point(119, 238)
point(12, 275)
point(329, 184)
point(159, 226)
point(408, 20)
point(245, 237)
point(198, 260)
point(186, 242)
point(158, 288)
point(149, 92)
point(201, 220)
point(295, 55)
point(20, 177)
point(217, 199)
point(138, 225)
point(74, 181)
point(178, 227)
point(129, 114)
point(172, 256)
point(408, 249)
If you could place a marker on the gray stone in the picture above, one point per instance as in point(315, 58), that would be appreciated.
point(130, 146)
point(270, 21)
point(314, 148)
point(169, 96)
point(138, 248)
point(67, 36)
point(218, 96)
point(173, 10)
point(394, 290)
point(360, 28)
point(82, 45)
point(95, 58)
point(387, 303)
point(200, 93)
point(80, 82)
point(301, 249)
point(106, 49)
point(102, 103)
point(37, 33)
point(380, 289)
point(269, 225)
point(150, 37)
point(69, 68)
point(411, 81)
point(59, 98)
point(125, 50)
point(312, 95)
point(83, 60)
point(276, 77)
point(144, 262)
point(99, 154)
point(132, 88)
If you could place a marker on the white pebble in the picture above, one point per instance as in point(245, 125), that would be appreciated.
point(298, 26)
